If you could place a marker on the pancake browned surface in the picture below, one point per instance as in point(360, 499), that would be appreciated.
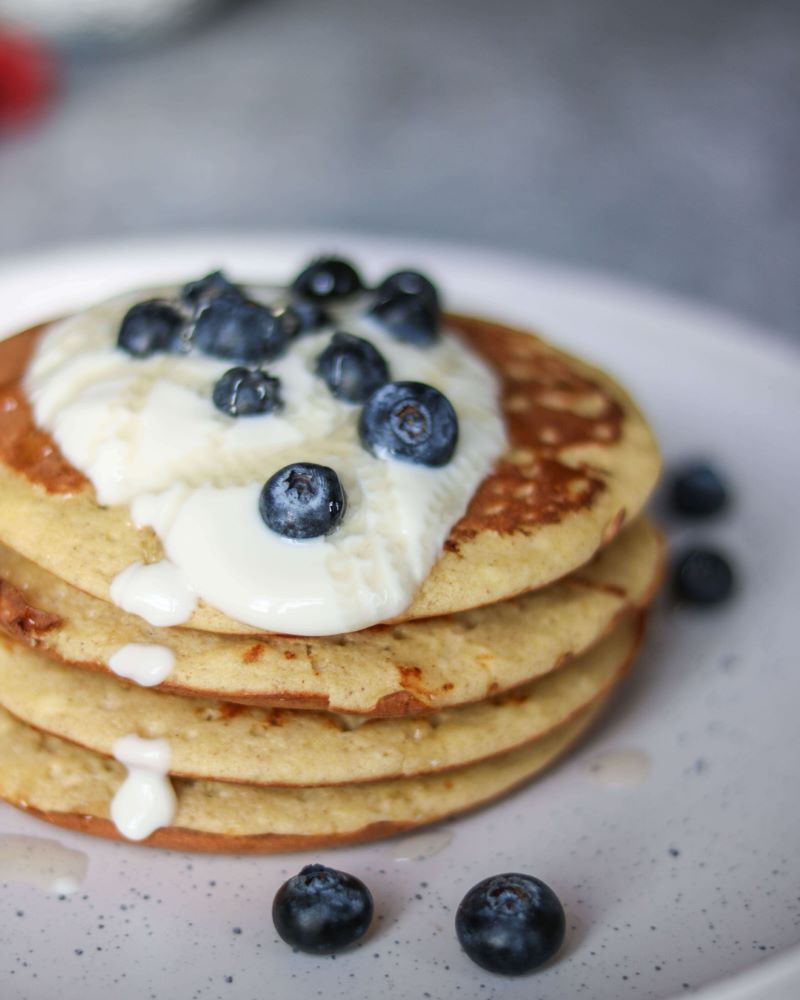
point(220, 741)
point(73, 787)
point(417, 667)
point(581, 461)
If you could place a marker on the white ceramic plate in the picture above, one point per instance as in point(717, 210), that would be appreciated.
point(687, 880)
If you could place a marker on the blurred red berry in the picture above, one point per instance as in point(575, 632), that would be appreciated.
point(27, 78)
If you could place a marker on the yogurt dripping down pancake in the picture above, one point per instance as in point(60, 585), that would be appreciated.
point(224, 742)
point(73, 787)
point(394, 670)
point(581, 461)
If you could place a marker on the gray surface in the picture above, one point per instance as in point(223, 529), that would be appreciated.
point(659, 141)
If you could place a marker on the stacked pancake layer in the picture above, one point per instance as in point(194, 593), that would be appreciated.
point(529, 619)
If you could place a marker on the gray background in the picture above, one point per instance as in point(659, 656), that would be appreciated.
point(654, 140)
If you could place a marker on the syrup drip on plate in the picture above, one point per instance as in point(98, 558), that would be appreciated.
point(42, 863)
point(619, 767)
point(421, 846)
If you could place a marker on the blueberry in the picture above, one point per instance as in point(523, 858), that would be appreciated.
point(149, 327)
point(322, 910)
point(698, 491)
point(327, 278)
point(510, 924)
point(703, 576)
point(213, 286)
point(407, 304)
point(306, 316)
point(303, 500)
point(352, 368)
point(239, 330)
point(241, 392)
point(410, 283)
point(409, 421)
point(407, 319)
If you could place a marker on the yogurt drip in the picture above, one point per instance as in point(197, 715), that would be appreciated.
point(157, 592)
point(146, 434)
point(143, 663)
point(146, 799)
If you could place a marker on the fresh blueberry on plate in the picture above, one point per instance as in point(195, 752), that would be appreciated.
point(213, 286)
point(327, 278)
point(239, 330)
point(409, 421)
point(149, 327)
point(322, 910)
point(703, 576)
point(243, 392)
point(698, 491)
point(510, 924)
point(303, 500)
point(352, 368)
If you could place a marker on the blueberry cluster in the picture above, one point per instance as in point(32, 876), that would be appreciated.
point(702, 576)
point(212, 316)
point(406, 421)
point(509, 924)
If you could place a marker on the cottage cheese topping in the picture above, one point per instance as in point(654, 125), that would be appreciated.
point(146, 433)
point(145, 800)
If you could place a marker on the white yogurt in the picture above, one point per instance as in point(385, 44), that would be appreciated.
point(145, 800)
point(158, 592)
point(146, 433)
point(146, 664)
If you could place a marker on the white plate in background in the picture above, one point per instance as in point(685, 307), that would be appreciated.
point(685, 880)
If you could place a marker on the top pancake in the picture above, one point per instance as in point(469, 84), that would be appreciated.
point(581, 461)
point(392, 670)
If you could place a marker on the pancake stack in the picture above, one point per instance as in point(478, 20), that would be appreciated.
point(507, 652)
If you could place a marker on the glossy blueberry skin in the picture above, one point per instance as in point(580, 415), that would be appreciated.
point(409, 421)
point(407, 305)
point(352, 368)
point(409, 283)
point(198, 293)
point(242, 392)
point(408, 319)
point(239, 330)
point(322, 910)
point(698, 491)
point(306, 316)
point(327, 278)
point(510, 924)
point(149, 327)
point(704, 577)
point(303, 500)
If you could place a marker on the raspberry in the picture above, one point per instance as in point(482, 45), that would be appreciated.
point(27, 79)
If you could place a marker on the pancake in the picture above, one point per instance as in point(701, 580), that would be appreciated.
point(581, 461)
point(417, 667)
point(73, 787)
point(223, 742)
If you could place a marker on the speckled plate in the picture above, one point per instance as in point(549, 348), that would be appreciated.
point(682, 878)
